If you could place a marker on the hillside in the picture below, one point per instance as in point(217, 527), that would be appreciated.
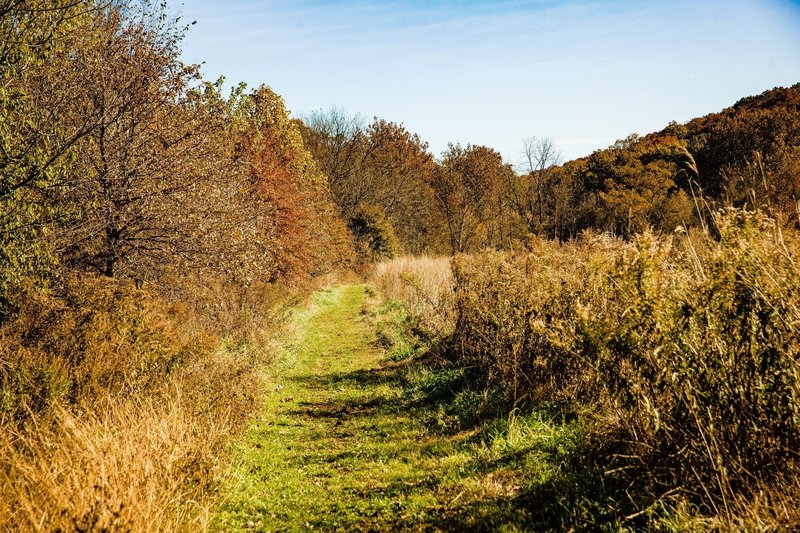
point(747, 155)
point(765, 127)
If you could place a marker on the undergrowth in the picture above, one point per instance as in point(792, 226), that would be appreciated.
point(518, 470)
point(116, 406)
point(677, 355)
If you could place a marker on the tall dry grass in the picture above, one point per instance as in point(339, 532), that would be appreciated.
point(516, 319)
point(138, 466)
point(424, 285)
point(698, 347)
point(685, 345)
point(116, 406)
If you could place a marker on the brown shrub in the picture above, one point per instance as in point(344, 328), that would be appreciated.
point(699, 348)
point(690, 342)
point(516, 318)
point(208, 304)
point(98, 337)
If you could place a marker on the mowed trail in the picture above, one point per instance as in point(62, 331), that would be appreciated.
point(334, 447)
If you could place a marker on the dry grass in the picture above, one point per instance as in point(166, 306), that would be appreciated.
point(697, 344)
point(517, 315)
point(686, 346)
point(139, 466)
point(424, 285)
point(115, 406)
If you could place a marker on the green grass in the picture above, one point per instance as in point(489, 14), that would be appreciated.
point(357, 433)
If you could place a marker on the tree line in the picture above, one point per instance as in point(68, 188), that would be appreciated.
point(118, 159)
point(469, 199)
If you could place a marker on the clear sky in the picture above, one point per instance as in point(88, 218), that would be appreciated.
point(584, 73)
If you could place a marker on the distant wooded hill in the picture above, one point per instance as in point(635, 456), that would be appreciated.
point(747, 155)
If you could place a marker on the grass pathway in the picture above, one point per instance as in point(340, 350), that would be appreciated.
point(337, 447)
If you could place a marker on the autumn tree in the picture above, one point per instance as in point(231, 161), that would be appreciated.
point(337, 140)
point(380, 165)
point(768, 181)
point(374, 235)
point(117, 158)
point(136, 175)
point(38, 127)
point(111, 145)
point(468, 186)
point(749, 158)
point(308, 236)
point(399, 165)
point(572, 207)
point(527, 192)
point(637, 185)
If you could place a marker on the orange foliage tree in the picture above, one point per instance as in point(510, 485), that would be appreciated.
point(308, 237)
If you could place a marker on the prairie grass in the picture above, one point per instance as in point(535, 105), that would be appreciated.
point(116, 406)
point(424, 285)
point(680, 351)
point(516, 319)
point(143, 466)
point(698, 348)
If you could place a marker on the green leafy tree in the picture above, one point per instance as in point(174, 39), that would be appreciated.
point(38, 128)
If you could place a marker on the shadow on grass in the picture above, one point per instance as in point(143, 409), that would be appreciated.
point(561, 480)
point(339, 410)
point(357, 378)
point(558, 482)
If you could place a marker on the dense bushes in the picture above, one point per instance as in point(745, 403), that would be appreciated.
point(699, 348)
point(374, 235)
point(98, 337)
point(516, 313)
point(684, 346)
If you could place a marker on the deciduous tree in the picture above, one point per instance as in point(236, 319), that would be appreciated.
point(380, 165)
point(468, 186)
point(527, 192)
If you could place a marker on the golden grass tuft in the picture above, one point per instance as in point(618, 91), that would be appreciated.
point(424, 285)
point(116, 406)
point(137, 466)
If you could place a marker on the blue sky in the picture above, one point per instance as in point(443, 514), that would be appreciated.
point(584, 73)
